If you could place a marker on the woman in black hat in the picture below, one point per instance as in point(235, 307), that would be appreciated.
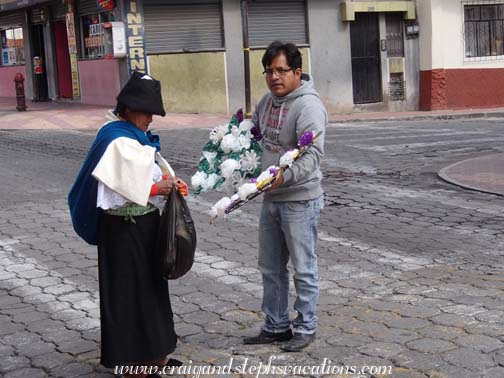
point(114, 204)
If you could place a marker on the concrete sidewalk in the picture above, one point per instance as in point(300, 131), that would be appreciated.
point(70, 115)
point(485, 174)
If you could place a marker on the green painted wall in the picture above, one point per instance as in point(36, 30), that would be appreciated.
point(191, 83)
point(257, 83)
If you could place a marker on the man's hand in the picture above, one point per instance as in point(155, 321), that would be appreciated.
point(277, 183)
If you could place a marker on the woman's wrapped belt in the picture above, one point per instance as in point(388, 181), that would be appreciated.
point(131, 210)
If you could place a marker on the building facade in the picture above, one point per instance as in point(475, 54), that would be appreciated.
point(52, 44)
point(362, 55)
point(462, 54)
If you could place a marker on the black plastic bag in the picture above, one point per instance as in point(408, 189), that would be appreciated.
point(176, 242)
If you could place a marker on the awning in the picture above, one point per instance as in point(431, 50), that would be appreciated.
point(349, 8)
point(6, 5)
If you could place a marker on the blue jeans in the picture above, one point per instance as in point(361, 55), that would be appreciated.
point(289, 230)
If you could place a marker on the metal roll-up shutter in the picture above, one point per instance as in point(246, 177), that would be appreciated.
point(283, 20)
point(87, 7)
point(36, 16)
point(10, 20)
point(59, 11)
point(183, 27)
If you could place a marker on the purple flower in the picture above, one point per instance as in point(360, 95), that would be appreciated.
point(239, 115)
point(306, 139)
point(253, 180)
point(273, 171)
point(256, 132)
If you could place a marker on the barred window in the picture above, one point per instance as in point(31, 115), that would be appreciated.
point(395, 39)
point(12, 47)
point(484, 31)
point(92, 37)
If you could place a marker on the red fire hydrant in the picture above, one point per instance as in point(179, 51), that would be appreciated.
point(20, 92)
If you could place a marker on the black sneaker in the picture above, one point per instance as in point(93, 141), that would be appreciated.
point(298, 341)
point(266, 337)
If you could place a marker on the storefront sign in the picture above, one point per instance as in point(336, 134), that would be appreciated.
point(8, 56)
point(135, 36)
point(106, 5)
point(72, 49)
point(96, 38)
point(93, 41)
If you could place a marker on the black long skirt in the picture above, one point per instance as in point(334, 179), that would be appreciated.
point(135, 310)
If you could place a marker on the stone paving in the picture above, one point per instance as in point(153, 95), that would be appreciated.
point(411, 267)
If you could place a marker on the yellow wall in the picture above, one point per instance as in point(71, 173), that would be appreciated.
point(257, 83)
point(191, 83)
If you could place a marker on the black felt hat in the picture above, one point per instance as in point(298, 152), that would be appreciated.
point(142, 93)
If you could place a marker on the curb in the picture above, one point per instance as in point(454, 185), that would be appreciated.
point(422, 117)
point(446, 177)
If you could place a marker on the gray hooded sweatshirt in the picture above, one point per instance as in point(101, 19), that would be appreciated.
point(282, 121)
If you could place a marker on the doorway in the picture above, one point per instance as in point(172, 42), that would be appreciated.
point(62, 60)
point(366, 60)
point(38, 65)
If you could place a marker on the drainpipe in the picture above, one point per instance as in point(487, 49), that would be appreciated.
point(246, 57)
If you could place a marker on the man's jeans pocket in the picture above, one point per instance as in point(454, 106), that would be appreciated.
point(298, 206)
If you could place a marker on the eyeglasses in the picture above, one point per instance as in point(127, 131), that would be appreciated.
point(279, 71)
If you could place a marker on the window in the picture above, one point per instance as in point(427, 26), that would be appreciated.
point(12, 47)
point(177, 26)
point(92, 36)
point(484, 31)
point(395, 39)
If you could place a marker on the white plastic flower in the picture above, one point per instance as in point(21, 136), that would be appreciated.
point(249, 161)
point(244, 142)
point(227, 187)
point(245, 125)
point(246, 189)
point(210, 156)
point(210, 181)
point(228, 166)
point(235, 131)
point(230, 143)
point(218, 133)
point(266, 174)
point(198, 179)
point(218, 210)
point(237, 180)
point(287, 159)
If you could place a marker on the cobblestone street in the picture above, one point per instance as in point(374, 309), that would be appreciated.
point(412, 267)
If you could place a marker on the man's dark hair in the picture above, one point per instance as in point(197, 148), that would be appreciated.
point(290, 50)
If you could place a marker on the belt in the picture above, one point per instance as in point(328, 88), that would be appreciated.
point(131, 210)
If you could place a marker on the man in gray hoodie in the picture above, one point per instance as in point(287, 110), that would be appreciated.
point(291, 209)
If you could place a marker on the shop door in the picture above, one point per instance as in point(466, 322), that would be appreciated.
point(366, 67)
point(63, 60)
point(38, 66)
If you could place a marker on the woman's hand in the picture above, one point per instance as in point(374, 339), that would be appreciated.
point(182, 187)
point(165, 185)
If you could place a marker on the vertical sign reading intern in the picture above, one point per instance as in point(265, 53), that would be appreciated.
point(133, 10)
point(72, 49)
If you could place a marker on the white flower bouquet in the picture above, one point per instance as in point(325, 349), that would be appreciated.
point(248, 191)
point(231, 157)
